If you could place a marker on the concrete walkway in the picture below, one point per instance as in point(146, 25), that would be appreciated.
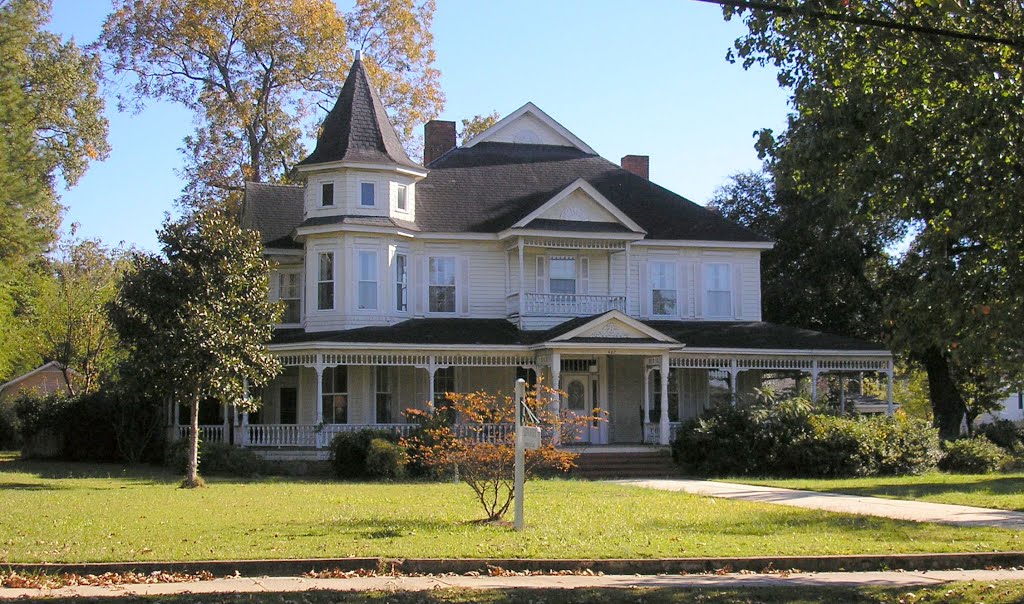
point(900, 509)
point(297, 584)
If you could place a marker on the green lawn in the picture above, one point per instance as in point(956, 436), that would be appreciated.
point(1000, 491)
point(954, 593)
point(79, 512)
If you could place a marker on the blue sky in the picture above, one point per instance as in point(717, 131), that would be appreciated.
point(647, 78)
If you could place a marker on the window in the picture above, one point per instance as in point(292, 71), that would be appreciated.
point(325, 282)
point(444, 382)
point(334, 385)
point(441, 288)
point(663, 289)
point(400, 199)
point(289, 405)
point(366, 194)
point(289, 292)
point(718, 290)
point(673, 396)
point(385, 412)
point(327, 194)
point(562, 275)
point(367, 286)
point(401, 282)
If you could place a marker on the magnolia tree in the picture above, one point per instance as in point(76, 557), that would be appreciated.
point(198, 319)
point(480, 445)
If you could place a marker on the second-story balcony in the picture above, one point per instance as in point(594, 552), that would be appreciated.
point(563, 305)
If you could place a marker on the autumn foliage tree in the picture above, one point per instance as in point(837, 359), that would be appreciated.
point(255, 72)
point(480, 445)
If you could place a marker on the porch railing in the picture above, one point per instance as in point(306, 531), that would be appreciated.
point(572, 304)
point(484, 432)
point(652, 432)
point(213, 433)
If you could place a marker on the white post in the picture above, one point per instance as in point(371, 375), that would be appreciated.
point(520, 462)
point(663, 435)
point(522, 282)
point(842, 393)
point(431, 370)
point(733, 390)
point(647, 395)
point(556, 403)
point(888, 390)
point(626, 288)
point(319, 401)
point(814, 381)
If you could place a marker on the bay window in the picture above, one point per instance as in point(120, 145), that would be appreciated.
point(325, 281)
point(367, 284)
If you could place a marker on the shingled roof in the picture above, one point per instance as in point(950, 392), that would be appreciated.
point(357, 128)
point(490, 186)
point(274, 211)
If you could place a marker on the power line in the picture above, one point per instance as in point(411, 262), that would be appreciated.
point(855, 20)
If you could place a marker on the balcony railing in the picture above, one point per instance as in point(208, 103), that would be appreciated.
point(573, 305)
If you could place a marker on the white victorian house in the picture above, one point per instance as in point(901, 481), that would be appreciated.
point(520, 253)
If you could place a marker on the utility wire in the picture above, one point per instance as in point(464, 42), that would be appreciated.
point(880, 23)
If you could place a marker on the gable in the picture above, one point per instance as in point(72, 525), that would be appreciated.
point(578, 206)
point(528, 125)
point(579, 203)
point(614, 325)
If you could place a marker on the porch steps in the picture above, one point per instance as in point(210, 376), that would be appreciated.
point(649, 463)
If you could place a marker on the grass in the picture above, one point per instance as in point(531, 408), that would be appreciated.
point(64, 512)
point(953, 593)
point(999, 491)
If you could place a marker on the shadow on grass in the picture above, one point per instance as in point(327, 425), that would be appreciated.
point(983, 485)
point(377, 527)
point(953, 594)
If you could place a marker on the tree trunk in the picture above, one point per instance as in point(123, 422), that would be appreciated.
point(947, 404)
point(192, 479)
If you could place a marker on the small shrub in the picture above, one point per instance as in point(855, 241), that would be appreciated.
point(10, 434)
point(1004, 433)
point(977, 455)
point(349, 449)
point(218, 459)
point(385, 459)
point(836, 447)
point(904, 445)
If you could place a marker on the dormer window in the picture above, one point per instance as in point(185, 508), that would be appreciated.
point(367, 197)
point(400, 198)
point(327, 194)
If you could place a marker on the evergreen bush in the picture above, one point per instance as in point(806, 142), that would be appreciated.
point(349, 449)
point(386, 459)
point(977, 455)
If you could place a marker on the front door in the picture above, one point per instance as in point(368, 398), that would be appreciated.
point(581, 394)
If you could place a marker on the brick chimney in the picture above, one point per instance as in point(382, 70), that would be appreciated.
point(638, 164)
point(438, 139)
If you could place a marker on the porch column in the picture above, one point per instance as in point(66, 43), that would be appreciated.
point(814, 381)
point(177, 412)
point(556, 403)
point(319, 402)
point(663, 428)
point(888, 390)
point(647, 395)
point(733, 376)
point(522, 281)
point(626, 288)
point(431, 370)
point(245, 429)
point(842, 393)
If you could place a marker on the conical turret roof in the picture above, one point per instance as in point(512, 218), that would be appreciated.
point(357, 128)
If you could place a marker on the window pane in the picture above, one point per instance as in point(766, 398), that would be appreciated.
point(563, 286)
point(401, 281)
point(367, 295)
point(442, 271)
point(326, 266)
point(401, 197)
point(368, 266)
point(663, 275)
point(325, 296)
point(366, 191)
point(663, 301)
point(563, 268)
point(442, 298)
point(327, 194)
point(719, 304)
point(292, 311)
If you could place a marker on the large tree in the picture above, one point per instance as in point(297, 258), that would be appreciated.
point(73, 326)
point(914, 138)
point(255, 72)
point(197, 319)
point(51, 127)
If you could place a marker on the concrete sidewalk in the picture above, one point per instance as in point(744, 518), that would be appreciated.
point(404, 583)
point(900, 509)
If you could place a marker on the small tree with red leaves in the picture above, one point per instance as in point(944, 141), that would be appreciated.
point(480, 445)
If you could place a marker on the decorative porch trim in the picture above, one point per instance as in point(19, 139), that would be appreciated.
point(401, 359)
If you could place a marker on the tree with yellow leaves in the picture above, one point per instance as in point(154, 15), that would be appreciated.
point(256, 74)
